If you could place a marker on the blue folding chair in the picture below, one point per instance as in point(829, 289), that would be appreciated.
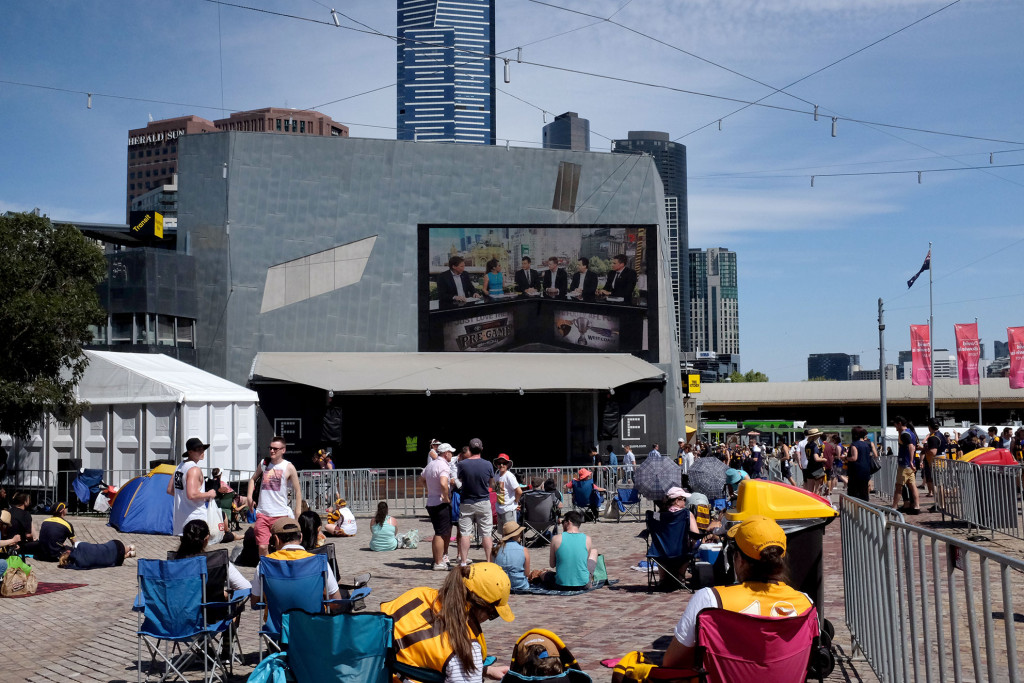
point(294, 584)
point(628, 502)
point(586, 498)
point(669, 545)
point(172, 608)
point(351, 648)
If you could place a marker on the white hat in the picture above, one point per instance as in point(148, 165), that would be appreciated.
point(681, 439)
point(445, 448)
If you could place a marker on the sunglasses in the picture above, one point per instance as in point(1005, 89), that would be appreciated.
point(490, 608)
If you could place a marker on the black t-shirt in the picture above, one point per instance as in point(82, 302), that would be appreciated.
point(21, 524)
point(813, 449)
point(936, 443)
point(476, 475)
point(52, 534)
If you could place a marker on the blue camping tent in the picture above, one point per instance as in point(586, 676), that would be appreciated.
point(142, 506)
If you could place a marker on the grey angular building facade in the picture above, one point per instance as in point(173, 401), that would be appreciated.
point(567, 131)
point(310, 245)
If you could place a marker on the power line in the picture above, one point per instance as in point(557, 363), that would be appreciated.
point(109, 95)
point(543, 110)
point(619, 79)
point(860, 173)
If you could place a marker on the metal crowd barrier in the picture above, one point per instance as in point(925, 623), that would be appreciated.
point(987, 497)
point(41, 485)
point(923, 606)
point(359, 488)
point(884, 480)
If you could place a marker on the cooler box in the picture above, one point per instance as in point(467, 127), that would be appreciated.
point(803, 516)
point(709, 552)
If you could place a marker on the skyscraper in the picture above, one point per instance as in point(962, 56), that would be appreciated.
point(567, 131)
point(714, 314)
point(446, 84)
point(670, 159)
point(832, 366)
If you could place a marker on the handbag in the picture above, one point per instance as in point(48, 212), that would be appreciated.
point(876, 464)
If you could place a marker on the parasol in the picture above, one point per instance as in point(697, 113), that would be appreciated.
point(707, 476)
point(655, 476)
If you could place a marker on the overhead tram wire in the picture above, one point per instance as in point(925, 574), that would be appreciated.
point(545, 111)
point(817, 71)
point(618, 79)
point(600, 20)
point(860, 173)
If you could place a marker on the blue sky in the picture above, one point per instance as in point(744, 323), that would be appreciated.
point(812, 261)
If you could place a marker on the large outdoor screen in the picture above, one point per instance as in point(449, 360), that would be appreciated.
point(538, 288)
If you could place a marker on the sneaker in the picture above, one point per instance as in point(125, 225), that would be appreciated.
point(445, 561)
point(441, 567)
point(466, 563)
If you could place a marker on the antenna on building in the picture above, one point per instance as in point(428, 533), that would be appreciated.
point(151, 118)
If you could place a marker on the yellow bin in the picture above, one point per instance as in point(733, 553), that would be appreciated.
point(778, 501)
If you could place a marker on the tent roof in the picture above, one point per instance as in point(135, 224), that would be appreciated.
point(455, 372)
point(113, 377)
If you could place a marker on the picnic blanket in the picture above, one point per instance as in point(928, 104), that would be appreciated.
point(538, 590)
point(45, 587)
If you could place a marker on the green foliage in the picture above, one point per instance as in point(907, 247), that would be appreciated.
point(750, 376)
point(820, 379)
point(48, 278)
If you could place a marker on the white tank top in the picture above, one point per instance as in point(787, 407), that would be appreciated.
point(185, 510)
point(274, 491)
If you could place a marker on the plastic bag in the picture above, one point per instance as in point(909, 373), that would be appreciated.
point(411, 539)
point(17, 582)
point(215, 520)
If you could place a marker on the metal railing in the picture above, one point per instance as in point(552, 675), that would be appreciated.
point(41, 485)
point(884, 480)
point(63, 488)
point(987, 497)
point(923, 606)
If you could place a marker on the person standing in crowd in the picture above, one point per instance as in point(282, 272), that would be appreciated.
point(187, 487)
point(508, 489)
point(593, 456)
point(441, 630)
point(613, 459)
point(814, 461)
point(527, 279)
point(762, 569)
point(858, 463)
point(757, 458)
point(554, 279)
point(934, 447)
point(277, 477)
point(993, 438)
point(654, 452)
point(629, 461)
point(432, 453)
point(436, 475)
point(1017, 445)
point(906, 474)
point(476, 475)
point(786, 463)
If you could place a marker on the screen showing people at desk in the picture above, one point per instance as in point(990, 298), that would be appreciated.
point(542, 283)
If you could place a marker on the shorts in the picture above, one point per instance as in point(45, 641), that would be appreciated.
point(441, 519)
point(786, 471)
point(926, 470)
point(262, 528)
point(476, 514)
point(503, 517)
point(814, 472)
point(906, 475)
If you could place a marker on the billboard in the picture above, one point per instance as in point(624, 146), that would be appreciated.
point(538, 288)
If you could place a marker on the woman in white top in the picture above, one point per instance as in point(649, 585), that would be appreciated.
point(187, 487)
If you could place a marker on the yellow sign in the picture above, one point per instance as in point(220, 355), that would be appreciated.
point(147, 224)
point(694, 384)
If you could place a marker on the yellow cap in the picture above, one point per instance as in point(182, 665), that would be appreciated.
point(756, 533)
point(490, 583)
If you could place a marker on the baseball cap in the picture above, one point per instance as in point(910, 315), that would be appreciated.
point(476, 443)
point(756, 533)
point(195, 444)
point(535, 638)
point(490, 583)
point(285, 525)
point(445, 448)
point(681, 439)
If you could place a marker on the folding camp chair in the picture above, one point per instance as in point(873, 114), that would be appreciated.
point(172, 608)
point(586, 498)
point(294, 584)
point(628, 502)
point(669, 546)
point(352, 648)
point(744, 647)
point(540, 517)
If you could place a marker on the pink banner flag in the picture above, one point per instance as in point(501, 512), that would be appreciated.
point(1015, 337)
point(920, 356)
point(968, 351)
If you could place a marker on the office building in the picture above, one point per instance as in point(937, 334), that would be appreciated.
point(153, 150)
point(831, 366)
point(567, 131)
point(714, 303)
point(943, 363)
point(670, 160)
point(446, 75)
point(860, 373)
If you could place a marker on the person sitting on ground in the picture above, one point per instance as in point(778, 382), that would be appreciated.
point(95, 555)
point(447, 636)
point(21, 518)
point(573, 556)
point(340, 520)
point(312, 537)
point(8, 541)
point(52, 533)
point(762, 568)
point(383, 530)
point(513, 557)
point(287, 535)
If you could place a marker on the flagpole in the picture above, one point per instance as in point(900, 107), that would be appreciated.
point(881, 370)
point(979, 372)
point(931, 340)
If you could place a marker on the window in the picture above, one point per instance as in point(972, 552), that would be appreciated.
point(99, 333)
point(164, 151)
point(149, 152)
point(174, 148)
point(278, 124)
point(131, 155)
point(302, 126)
point(185, 331)
point(121, 328)
point(287, 126)
point(165, 330)
point(147, 174)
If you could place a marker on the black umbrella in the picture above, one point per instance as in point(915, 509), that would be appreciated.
point(707, 476)
point(655, 476)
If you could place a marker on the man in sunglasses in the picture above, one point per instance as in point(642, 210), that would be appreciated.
point(277, 477)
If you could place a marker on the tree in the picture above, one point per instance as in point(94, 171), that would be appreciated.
point(48, 278)
point(750, 376)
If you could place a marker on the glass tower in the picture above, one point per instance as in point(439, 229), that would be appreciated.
point(446, 85)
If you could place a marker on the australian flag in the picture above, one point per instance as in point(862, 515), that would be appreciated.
point(927, 265)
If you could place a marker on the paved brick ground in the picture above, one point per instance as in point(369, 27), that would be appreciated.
point(88, 634)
